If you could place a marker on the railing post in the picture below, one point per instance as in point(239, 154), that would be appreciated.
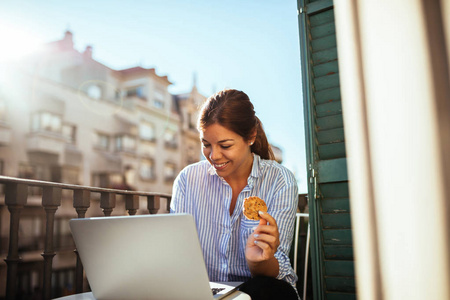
point(51, 199)
point(131, 203)
point(169, 199)
point(15, 198)
point(107, 202)
point(153, 203)
point(81, 202)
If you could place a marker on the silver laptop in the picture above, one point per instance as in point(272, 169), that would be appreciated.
point(144, 257)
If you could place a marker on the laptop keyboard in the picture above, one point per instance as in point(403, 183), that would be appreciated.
point(216, 290)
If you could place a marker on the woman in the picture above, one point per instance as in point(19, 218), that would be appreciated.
point(240, 163)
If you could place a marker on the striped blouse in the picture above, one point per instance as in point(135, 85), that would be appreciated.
point(199, 191)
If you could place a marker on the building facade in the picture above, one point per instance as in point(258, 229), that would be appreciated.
point(65, 117)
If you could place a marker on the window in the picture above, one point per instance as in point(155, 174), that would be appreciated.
point(106, 180)
point(192, 121)
point(169, 171)
point(70, 175)
point(26, 171)
point(118, 95)
point(170, 139)
point(94, 91)
point(46, 121)
point(147, 131)
point(69, 132)
point(147, 169)
point(137, 91)
point(192, 155)
point(102, 141)
point(125, 143)
point(158, 102)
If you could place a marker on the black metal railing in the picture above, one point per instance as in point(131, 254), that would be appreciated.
point(16, 196)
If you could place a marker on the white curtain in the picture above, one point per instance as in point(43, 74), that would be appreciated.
point(394, 75)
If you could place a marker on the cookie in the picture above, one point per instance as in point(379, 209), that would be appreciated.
point(252, 205)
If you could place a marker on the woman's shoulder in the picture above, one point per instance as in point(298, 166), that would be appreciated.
point(275, 168)
point(201, 166)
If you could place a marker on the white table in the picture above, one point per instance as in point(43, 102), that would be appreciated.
point(236, 295)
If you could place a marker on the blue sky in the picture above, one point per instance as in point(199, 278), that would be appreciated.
point(249, 45)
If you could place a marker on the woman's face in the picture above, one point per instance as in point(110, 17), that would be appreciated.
point(227, 152)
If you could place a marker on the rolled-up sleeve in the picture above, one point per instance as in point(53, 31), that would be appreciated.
point(284, 209)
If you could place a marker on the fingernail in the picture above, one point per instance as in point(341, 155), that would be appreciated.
point(256, 235)
point(261, 212)
point(254, 228)
point(256, 242)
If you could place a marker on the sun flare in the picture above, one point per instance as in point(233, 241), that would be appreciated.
point(17, 42)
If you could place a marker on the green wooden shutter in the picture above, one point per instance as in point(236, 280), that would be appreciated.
point(331, 239)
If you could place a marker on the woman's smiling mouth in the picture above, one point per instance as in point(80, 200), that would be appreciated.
point(220, 166)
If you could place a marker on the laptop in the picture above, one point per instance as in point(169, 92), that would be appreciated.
point(144, 257)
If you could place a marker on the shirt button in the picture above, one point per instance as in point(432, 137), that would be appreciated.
point(224, 266)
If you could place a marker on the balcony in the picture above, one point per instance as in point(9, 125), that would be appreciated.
point(40, 259)
point(46, 142)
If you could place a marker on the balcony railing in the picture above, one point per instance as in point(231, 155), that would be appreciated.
point(16, 192)
point(57, 203)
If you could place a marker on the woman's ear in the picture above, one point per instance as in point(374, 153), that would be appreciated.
point(252, 137)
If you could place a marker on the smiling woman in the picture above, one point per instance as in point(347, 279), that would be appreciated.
point(240, 164)
point(17, 42)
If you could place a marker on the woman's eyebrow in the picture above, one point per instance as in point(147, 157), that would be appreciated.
point(219, 142)
point(226, 140)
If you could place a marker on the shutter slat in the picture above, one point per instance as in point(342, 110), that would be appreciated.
point(329, 151)
point(325, 69)
point(328, 95)
point(328, 109)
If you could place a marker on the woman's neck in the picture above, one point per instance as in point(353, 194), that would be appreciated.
point(239, 180)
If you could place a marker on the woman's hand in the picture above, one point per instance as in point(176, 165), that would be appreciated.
point(261, 247)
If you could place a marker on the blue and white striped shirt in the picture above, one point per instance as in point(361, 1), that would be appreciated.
point(199, 191)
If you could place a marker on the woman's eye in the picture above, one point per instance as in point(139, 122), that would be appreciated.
point(206, 145)
point(225, 147)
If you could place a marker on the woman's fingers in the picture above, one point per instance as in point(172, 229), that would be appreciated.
point(266, 238)
point(270, 220)
point(267, 224)
point(266, 235)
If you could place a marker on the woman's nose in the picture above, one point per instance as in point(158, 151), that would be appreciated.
point(215, 154)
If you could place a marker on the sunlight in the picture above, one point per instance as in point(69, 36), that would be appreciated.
point(17, 42)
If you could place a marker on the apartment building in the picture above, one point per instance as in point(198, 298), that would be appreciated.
point(66, 117)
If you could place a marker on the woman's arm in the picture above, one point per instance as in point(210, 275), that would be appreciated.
point(267, 253)
point(177, 203)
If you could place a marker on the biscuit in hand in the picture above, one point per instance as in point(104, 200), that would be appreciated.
point(252, 205)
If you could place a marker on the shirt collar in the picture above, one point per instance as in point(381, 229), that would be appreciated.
point(256, 169)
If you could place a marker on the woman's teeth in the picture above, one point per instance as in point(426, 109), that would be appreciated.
point(221, 165)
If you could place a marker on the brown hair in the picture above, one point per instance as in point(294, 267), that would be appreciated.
point(233, 110)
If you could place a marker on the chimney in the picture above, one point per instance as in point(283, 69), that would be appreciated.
point(88, 52)
point(67, 42)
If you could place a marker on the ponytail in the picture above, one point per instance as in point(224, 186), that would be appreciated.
point(261, 145)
